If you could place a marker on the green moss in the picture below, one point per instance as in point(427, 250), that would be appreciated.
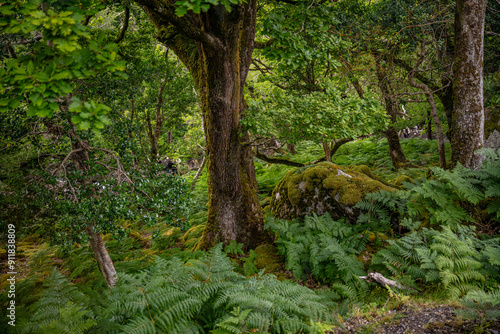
point(323, 188)
point(269, 260)
point(365, 170)
point(335, 182)
point(398, 181)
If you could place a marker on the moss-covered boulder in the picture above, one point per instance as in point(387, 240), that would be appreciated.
point(400, 180)
point(322, 188)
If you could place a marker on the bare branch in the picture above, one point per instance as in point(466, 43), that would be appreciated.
point(124, 26)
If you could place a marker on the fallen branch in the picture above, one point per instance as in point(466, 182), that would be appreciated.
point(380, 279)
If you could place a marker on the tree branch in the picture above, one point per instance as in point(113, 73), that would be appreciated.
point(124, 26)
point(11, 50)
point(335, 148)
point(166, 14)
point(264, 157)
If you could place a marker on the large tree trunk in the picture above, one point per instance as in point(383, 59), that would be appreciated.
point(216, 47)
point(468, 110)
point(102, 256)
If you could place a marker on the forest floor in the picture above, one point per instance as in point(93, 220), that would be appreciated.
point(408, 316)
point(416, 319)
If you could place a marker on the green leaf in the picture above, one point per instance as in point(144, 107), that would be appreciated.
point(30, 67)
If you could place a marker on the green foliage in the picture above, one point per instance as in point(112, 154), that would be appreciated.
point(459, 261)
point(60, 309)
point(448, 198)
point(197, 6)
point(490, 179)
point(295, 117)
point(60, 51)
point(481, 305)
point(177, 298)
point(325, 248)
point(373, 152)
point(174, 296)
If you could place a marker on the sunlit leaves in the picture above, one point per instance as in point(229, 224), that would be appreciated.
point(59, 51)
point(319, 116)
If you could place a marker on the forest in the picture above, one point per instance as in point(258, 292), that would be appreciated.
point(250, 166)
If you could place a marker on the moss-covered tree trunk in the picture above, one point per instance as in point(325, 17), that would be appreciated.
point(216, 47)
point(468, 109)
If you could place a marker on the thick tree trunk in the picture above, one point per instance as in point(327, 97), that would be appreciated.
point(216, 47)
point(101, 254)
point(468, 109)
point(234, 209)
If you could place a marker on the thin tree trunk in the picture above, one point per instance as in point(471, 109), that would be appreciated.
point(102, 256)
point(430, 98)
point(130, 134)
point(429, 126)
point(326, 149)
point(468, 108)
point(291, 148)
point(392, 107)
point(198, 173)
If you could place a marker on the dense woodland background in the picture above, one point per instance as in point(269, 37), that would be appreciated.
point(243, 167)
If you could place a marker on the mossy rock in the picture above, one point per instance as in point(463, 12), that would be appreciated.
point(398, 181)
point(322, 188)
point(269, 260)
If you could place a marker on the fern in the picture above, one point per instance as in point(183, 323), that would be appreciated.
point(203, 294)
point(481, 305)
point(445, 257)
point(60, 309)
point(324, 248)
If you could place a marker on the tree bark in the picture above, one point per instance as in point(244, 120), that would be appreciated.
point(216, 47)
point(429, 125)
point(326, 149)
point(468, 108)
point(291, 148)
point(102, 256)
point(392, 108)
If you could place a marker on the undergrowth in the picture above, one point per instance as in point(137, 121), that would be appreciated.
point(198, 296)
